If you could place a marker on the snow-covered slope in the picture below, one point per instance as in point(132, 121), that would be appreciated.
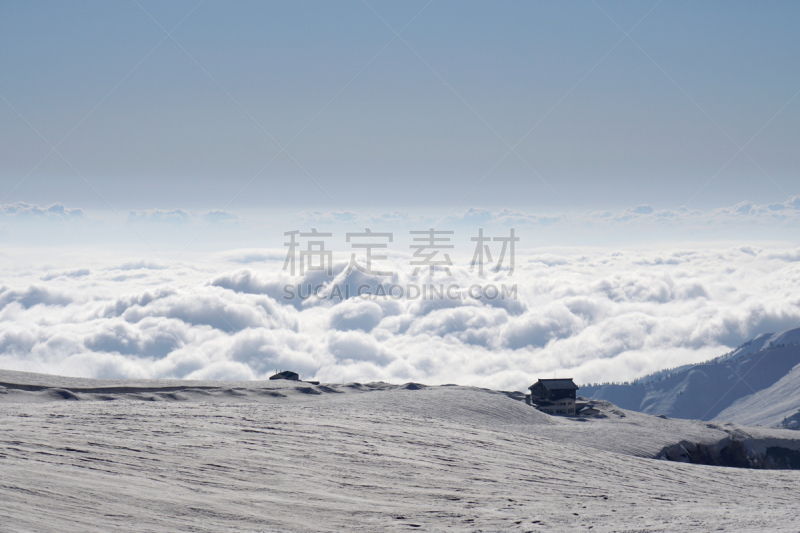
point(91, 455)
point(767, 407)
point(753, 384)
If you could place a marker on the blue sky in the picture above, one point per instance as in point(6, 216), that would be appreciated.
point(375, 122)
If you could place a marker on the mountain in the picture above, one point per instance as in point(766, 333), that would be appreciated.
point(776, 405)
point(756, 384)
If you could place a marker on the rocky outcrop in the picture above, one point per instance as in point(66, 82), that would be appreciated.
point(738, 453)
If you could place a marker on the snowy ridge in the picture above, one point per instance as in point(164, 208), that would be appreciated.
point(759, 378)
point(88, 455)
point(770, 406)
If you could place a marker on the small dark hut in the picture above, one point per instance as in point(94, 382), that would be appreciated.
point(286, 374)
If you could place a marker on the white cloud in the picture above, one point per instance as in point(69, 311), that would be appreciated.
point(539, 327)
point(173, 216)
point(76, 273)
point(593, 314)
point(252, 255)
point(356, 315)
point(218, 216)
point(54, 211)
point(178, 217)
point(32, 296)
point(643, 210)
point(749, 212)
point(349, 346)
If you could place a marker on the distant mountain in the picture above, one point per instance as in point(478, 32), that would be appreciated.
point(756, 384)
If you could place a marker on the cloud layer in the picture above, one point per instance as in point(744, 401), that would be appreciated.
point(594, 315)
point(747, 212)
point(28, 224)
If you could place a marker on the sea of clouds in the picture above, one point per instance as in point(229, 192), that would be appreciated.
point(594, 314)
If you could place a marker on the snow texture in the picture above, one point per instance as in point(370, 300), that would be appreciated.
point(168, 455)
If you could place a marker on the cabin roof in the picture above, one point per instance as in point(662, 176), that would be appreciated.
point(286, 374)
point(557, 384)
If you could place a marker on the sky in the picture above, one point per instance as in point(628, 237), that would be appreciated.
point(153, 155)
point(370, 120)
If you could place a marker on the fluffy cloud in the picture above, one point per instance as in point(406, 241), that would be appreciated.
point(356, 315)
point(31, 296)
point(592, 314)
